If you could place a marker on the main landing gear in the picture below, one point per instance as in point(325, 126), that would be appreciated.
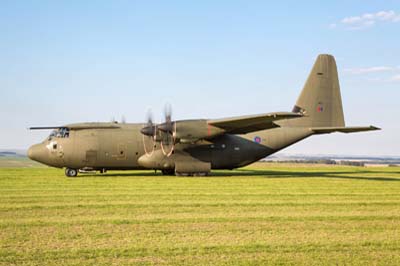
point(172, 172)
point(192, 174)
point(71, 172)
point(168, 172)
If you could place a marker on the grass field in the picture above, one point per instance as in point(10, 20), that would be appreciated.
point(263, 214)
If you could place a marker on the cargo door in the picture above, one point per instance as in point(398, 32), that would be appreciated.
point(91, 158)
point(87, 146)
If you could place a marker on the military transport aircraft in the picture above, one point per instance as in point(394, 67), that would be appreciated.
point(194, 147)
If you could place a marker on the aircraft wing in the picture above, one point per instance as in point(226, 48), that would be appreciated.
point(325, 130)
point(250, 123)
point(92, 125)
point(44, 128)
point(80, 126)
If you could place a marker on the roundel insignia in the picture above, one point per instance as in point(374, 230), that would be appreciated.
point(257, 139)
point(320, 108)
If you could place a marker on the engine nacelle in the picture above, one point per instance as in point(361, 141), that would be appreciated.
point(157, 160)
point(181, 162)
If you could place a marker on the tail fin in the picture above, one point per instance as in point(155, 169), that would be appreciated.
point(320, 100)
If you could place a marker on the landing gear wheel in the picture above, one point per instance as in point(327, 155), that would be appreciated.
point(182, 174)
point(168, 172)
point(200, 174)
point(71, 172)
point(192, 173)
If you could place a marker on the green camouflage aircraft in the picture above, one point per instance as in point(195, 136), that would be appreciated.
point(194, 147)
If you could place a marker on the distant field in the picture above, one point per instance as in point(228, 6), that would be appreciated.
point(263, 214)
point(11, 162)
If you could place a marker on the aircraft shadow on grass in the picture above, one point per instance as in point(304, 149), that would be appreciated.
point(266, 174)
point(319, 174)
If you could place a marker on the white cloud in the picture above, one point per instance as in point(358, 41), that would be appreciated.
point(351, 20)
point(374, 79)
point(377, 73)
point(395, 78)
point(369, 19)
point(388, 16)
point(367, 70)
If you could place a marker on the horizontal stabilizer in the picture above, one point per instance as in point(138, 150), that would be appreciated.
point(325, 130)
point(251, 123)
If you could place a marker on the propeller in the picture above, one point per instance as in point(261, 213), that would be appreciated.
point(168, 125)
point(149, 131)
point(164, 133)
point(168, 129)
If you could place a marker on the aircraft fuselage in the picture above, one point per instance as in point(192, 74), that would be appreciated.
point(121, 148)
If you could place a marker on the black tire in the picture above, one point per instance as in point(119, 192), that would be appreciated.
point(168, 172)
point(182, 174)
point(70, 172)
point(201, 174)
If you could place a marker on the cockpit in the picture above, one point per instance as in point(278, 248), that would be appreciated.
point(62, 132)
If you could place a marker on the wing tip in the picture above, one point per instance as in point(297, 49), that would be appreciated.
point(374, 128)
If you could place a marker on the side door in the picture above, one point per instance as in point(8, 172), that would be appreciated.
point(86, 146)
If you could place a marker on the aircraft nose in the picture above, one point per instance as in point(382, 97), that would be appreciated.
point(37, 152)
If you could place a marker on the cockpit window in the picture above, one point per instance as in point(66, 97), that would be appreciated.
point(61, 132)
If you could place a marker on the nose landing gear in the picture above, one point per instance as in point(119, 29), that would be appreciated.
point(71, 172)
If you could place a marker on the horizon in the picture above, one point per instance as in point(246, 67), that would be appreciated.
point(278, 154)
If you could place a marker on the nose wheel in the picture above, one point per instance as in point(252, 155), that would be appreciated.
point(71, 172)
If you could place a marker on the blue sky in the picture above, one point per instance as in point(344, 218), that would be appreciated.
point(73, 61)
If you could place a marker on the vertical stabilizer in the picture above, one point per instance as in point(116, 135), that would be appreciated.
point(320, 100)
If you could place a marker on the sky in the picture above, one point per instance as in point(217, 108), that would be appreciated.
point(76, 61)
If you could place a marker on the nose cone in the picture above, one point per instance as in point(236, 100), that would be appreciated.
point(37, 152)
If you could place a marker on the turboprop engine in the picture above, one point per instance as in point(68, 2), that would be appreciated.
point(170, 133)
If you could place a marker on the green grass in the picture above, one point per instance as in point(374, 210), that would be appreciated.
point(263, 214)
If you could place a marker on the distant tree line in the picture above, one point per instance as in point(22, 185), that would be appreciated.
point(322, 161)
